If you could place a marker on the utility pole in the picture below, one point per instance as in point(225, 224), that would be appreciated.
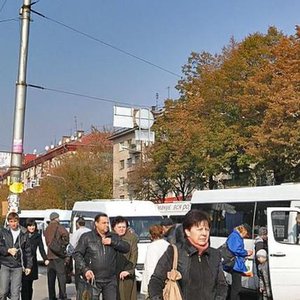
point(16, 186)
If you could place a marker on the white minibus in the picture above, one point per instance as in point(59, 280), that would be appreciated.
point(275, 207)
point(140, 215)
point(174, 210)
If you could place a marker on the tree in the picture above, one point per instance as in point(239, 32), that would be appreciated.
point(81, 175)
point(237, 116)
point(275, 94)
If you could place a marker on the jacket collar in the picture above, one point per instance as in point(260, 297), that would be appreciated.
point(191, 250)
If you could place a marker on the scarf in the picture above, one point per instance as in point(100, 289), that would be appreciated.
point(201, 249)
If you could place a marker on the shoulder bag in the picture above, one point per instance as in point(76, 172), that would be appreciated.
point(57, 246)
point(228, 259)
point(171, 290)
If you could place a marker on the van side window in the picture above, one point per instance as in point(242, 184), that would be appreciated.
point(285, 227)
point(261, 212)
point(225, 216)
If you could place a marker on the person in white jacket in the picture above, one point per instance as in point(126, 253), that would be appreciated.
point(154, 252)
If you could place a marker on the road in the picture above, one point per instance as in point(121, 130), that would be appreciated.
point(40, 290)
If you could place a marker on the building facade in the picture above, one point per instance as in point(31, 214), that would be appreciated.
point(127, 154)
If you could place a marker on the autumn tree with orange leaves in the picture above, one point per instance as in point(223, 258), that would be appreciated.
point(237, 120)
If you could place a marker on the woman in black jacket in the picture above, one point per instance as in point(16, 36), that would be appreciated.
point(199, 264)
point(35, 240)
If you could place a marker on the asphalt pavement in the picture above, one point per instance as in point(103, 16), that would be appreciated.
point(40, 289)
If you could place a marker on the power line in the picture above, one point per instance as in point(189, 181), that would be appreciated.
point(92, 98)
point(8, 20)
point(107, 44)
point(1, 8)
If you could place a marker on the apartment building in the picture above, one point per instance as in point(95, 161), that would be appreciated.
point(37, 166)
point(127, 153)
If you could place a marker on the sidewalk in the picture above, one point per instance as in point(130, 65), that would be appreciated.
point(40, 289)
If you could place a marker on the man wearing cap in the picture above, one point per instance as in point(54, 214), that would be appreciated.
point(168, 230)
point(56, 266)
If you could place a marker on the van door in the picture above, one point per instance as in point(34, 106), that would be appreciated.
point(284, 252)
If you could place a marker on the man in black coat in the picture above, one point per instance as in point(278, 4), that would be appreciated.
point(15, 256)
point(95, 257)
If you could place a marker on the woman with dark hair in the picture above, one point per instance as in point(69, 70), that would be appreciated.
point(199, 264)
point(35, 241)
point(126, 262)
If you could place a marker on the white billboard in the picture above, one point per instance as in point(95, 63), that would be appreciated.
point(123, 117)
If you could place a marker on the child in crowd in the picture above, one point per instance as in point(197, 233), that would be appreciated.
point(263, 275)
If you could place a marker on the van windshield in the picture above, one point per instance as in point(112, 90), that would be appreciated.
point(141, 225)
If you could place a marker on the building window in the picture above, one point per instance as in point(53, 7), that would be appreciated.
point(121, 146)
point(122, 181)
point(129, 162)
point(137, 159)
point(122, 164)
point(122, 196)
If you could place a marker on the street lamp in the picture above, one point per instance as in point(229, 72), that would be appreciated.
point(65, 183)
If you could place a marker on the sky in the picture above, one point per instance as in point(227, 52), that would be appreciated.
point(162, 32)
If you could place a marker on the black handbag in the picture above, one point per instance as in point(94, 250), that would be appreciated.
point(85, 289)
point(228, 259)
point(57, 246)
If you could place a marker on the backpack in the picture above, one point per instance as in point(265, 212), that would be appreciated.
point(58, 246)
point(228, 259)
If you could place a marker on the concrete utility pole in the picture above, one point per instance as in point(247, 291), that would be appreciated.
point(16, 186)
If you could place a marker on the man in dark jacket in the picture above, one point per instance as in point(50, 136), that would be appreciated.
point(56, 266)
point(169, 230)
point(95, 257)
point(15, 256)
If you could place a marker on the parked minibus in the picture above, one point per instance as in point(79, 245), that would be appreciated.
point(140, 215)
point(174, 210)
point(275, 207)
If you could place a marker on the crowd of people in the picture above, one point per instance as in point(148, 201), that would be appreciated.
point(105, 260)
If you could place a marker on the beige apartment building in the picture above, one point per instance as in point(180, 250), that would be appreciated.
point(126, 155)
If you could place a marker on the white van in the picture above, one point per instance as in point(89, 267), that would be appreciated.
point(273, 206)
point(174, 210)
point(140, 215)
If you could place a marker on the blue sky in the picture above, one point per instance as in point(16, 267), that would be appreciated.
point(161, 31)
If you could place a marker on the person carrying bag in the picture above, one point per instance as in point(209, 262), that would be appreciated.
point(172, 290)
point(201, 274)
point(85, 289)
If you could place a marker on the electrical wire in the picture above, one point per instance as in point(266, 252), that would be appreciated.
point(8, 20)
point(92, 98)
point(1, 8)
point(107, 44)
